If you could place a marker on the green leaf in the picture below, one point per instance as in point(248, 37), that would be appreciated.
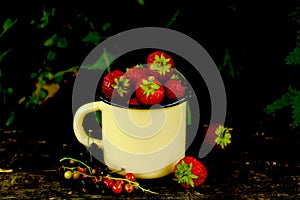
point(141, 2)
point(99, 117)
point(9, 90)
point(32, 100)
point(173, 19)
point(293, 58)
point(285, 100)
point(10, 119)
point(7, 25)
point(105, 26)
point(33, 75)
point(58, 77)
point(92, 37)
point(45, 18)
point(42, 94)
point(290, 98)
point(296, 109)
point(4, 54)
point(44, 77)
point(103, 61)
point(62, 42)
point(50, 41)
point(227, 67)
point(51, 55)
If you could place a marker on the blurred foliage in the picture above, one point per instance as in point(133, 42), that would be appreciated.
point(227, 68)
point(56, 31)
point(48, 75)
point(294, 56)
point(44, 48)
point(291, 98)
point(7, 25)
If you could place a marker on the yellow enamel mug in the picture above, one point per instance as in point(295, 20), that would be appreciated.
point(147, 142)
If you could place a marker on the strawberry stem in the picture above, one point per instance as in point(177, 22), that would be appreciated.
point(149, 86)
point(184, 173)
point(223, 136)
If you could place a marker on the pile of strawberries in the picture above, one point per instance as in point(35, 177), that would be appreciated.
point(153, 83)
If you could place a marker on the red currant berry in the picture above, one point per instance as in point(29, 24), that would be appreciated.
point(117, 187)
point(108, 182)
point(82, 170)
point(130, 176)
point(97, 179)
point(128, 187)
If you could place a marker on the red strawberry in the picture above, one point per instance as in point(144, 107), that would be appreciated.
point(115, 81)
point(218, 135)
point(109, 81)
point(190, 172)
point(174, 89)
point(137, 73)
point(161, 65)
point(150, 91)
point(122, 87)
point(133, 101)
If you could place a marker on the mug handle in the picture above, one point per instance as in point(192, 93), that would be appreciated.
point(79, 116)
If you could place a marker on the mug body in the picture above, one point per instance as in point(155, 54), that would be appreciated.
point(147, 142)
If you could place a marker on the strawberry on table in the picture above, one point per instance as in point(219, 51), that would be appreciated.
point(223, 137)
point(161, 65)
point(218, 135)
point(190, 172)
point(150, 91)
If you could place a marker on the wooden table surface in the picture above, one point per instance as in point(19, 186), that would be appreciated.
point(34, 163)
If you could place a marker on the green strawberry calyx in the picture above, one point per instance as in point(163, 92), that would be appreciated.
point(139, 66)
point(223, 136)
point(121, 85)
point(184, 173)
point(161, 65)
point(148, 86)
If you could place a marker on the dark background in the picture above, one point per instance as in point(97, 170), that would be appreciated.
point(259, 35)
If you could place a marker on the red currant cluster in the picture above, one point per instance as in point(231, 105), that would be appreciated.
point(99, 179)
point(119, 184)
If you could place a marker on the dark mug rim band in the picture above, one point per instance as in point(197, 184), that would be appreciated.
point(143, 107)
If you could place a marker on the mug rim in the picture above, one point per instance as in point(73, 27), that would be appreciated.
point(144, 107)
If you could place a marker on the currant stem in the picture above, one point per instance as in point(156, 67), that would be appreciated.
point(136, 184)
point(117, 171)
point(68, 158)
point(70, 168)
